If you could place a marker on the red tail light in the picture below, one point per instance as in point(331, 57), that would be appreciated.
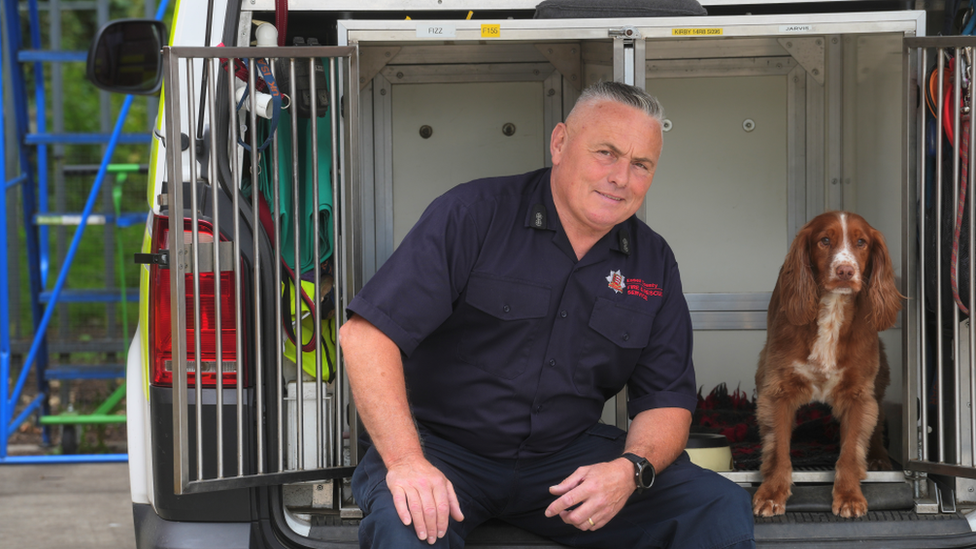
point(160, 318)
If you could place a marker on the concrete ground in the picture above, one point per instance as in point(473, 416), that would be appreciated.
point(81, 506)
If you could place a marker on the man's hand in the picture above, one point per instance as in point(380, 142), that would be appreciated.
point(424, 497)
point(594, 494)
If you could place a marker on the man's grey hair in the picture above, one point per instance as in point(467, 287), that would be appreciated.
point(625, 94)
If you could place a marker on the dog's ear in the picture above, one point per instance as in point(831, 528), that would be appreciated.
point(883, 295)
point(798, 288)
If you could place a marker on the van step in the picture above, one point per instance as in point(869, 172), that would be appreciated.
point(878, 529)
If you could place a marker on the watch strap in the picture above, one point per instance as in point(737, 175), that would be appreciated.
point(633, 458)
point(640, 464)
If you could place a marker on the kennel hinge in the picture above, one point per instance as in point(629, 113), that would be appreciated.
point(627, 33)
point(205, 257)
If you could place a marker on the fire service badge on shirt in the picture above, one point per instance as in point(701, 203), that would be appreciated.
point(616, 281)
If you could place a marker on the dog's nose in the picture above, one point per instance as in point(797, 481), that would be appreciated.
point(845, 272)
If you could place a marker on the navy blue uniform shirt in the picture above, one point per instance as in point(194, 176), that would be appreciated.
point(511, 346)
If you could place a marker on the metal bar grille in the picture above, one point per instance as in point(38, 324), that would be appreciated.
point(273, 409)
point(941, 385)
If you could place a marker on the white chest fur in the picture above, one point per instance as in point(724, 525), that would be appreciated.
point(821, 366)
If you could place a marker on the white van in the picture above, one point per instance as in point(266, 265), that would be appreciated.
point(772, 119)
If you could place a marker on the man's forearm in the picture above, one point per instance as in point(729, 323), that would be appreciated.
point(375, 372)
point(423, 496)
point(660, 435)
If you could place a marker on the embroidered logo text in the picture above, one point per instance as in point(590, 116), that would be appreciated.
point(641, 289)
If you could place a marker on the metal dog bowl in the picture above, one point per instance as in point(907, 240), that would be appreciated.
point(710, 451)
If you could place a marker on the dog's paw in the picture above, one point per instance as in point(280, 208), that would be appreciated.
point(850, 506)
point(767, 508)
point(769, 502)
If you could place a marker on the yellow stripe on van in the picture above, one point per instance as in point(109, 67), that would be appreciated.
point(151, 189)
point(144, 304)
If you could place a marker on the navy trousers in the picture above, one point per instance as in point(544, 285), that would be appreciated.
point(687, 508)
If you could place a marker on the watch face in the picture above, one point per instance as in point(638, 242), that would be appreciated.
point(644, 471)
point(647, 476)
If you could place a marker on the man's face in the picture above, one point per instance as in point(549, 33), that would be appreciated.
point(604, 158)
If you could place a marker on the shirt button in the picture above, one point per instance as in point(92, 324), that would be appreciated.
point(563, 314)
point(626, 336)
point(552, 362)
point(506, 308)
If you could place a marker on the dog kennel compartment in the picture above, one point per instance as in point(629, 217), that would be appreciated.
point(770, 121)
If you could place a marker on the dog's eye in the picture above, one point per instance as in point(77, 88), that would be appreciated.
point(861, 243)
point(825, 241)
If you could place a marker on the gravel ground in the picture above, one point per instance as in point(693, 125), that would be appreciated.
point(54, 506)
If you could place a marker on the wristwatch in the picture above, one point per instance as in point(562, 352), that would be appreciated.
point(643, 471)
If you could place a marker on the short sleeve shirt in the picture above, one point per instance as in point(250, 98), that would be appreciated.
point(511, 346)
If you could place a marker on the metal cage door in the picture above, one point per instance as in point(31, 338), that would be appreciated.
point(258, 273)
point(940, 384)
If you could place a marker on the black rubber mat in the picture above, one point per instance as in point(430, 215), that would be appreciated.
point(878, 529)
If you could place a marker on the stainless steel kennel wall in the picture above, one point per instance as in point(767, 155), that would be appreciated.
point(291, 410)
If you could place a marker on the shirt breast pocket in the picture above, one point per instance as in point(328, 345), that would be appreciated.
point(618, 336)
point(503, 321)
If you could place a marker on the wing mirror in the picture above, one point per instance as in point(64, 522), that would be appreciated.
point(126, 56)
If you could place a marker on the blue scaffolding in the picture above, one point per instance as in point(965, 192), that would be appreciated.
point(31, 151)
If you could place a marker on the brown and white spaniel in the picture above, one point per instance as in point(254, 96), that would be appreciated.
point(835, 292)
